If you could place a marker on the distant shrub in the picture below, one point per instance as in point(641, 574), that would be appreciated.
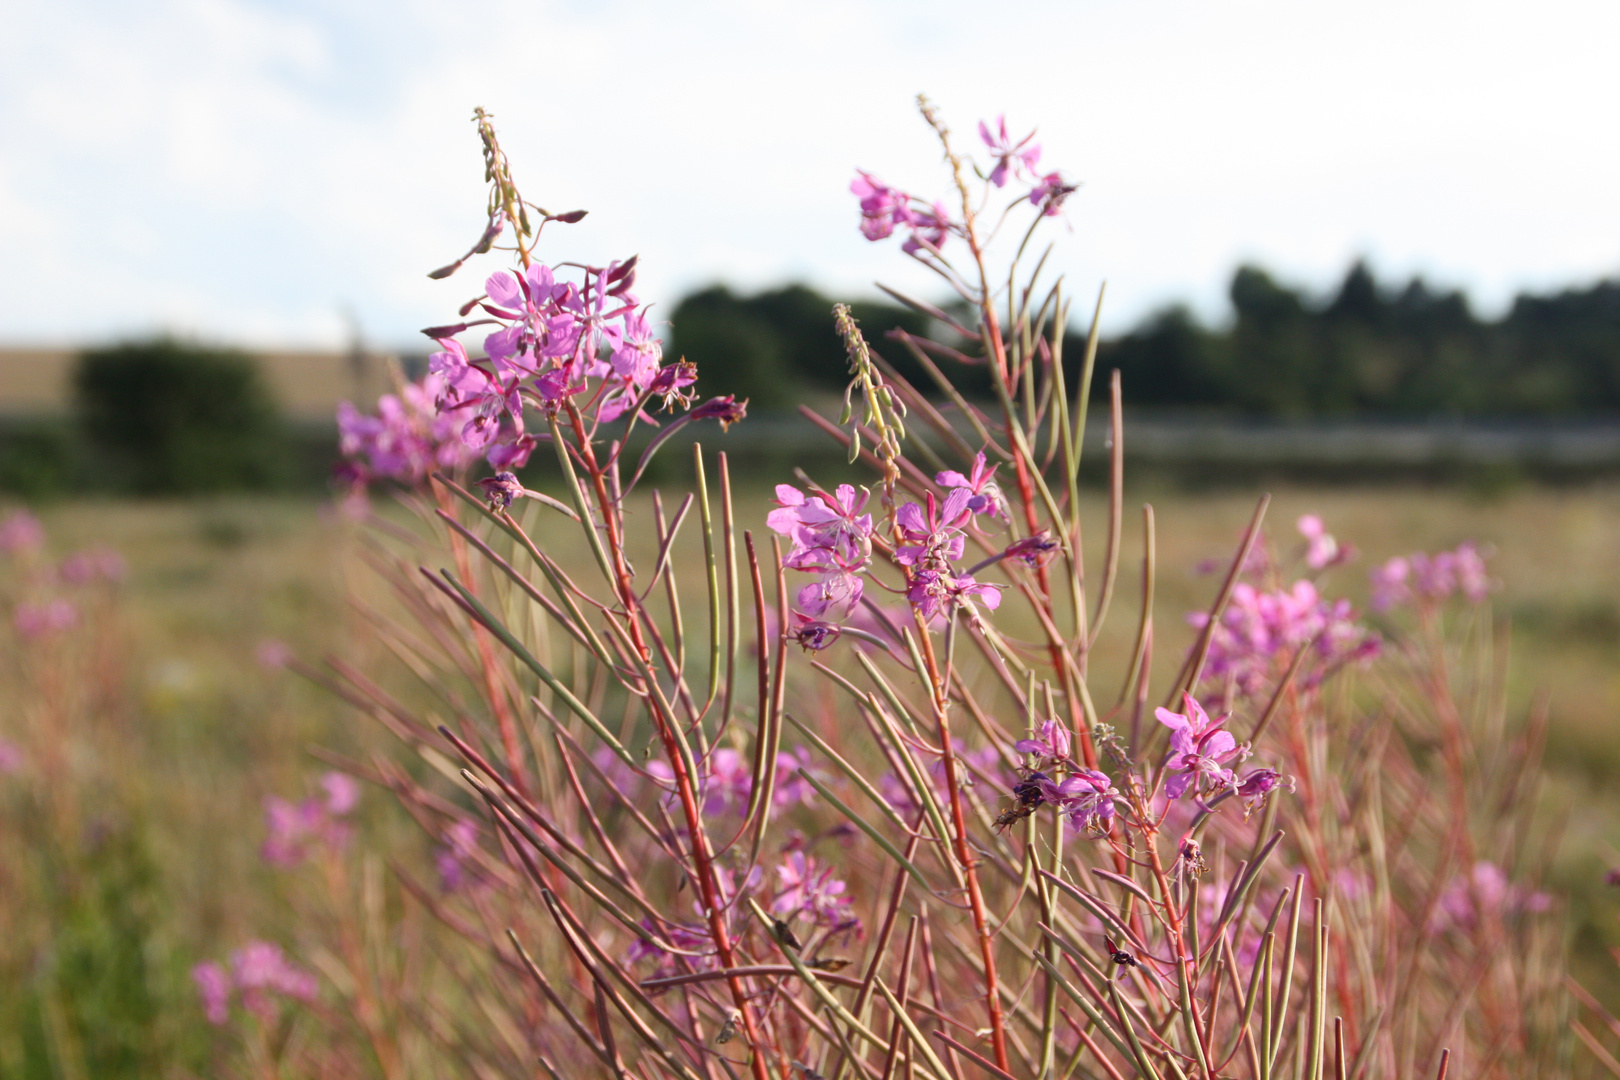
point(167, 417)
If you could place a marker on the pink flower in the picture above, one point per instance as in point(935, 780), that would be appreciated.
point(811, 891)
point(451, 860)
point(294, 831)
point(36, 621)
point(1431, 578)
point(934, 537)
point(11, 757)
point(20, 533)
point(101, 563)
point(1321, 550)
point(981, 484)
point(260, 972)
point(1011, 157)
point(1198, 747)
point(1054, 741)
point(1051, 193)
point(214, 989)
point(1389, 586)
point(933, 593)
point(826, 531)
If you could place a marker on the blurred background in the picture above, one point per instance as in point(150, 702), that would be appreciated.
point(1365, 256)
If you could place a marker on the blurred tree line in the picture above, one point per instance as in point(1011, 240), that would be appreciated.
point(1369, 349)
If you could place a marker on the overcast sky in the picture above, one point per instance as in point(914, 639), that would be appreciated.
point(247, 171)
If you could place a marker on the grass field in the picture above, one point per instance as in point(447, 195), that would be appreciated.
point(204, 731)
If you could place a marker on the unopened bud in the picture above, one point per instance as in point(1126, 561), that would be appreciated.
point(571, 217)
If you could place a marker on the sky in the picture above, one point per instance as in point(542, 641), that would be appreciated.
point(269, 174)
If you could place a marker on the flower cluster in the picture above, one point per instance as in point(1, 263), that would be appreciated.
point(885, 209)
point(832, 537)
point(407, 440)
point(726, 780)
point(294, 830)
point(1484, 894)
point(258, 974)
point(1200, 754)
point(1430, 579)
point(20, 534)
point(1261, 628)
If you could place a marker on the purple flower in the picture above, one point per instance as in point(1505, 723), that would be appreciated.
point(727, 410)
point(1054, 741)
point(1321, 550)
point(1258, 629)
point(1051, 193)
point(410, 437)
point(36, 621)
point(101, 563)
point(933, 593)
point(501, 489)
point(1085, 797)
point(810, 891)
point(460, 844)
point(671, 385)
point(1198, 747)
point(813, 635)
point(1011, 157)
point(980, 484)
point(1484, 894)
point(827, 531)
point(20, 533)
point(934, 538)
point(882, 207)
point(214, 990)
point(342, 793)
point(832, 597)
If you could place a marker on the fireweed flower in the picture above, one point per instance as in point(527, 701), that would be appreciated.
point(1260, 630)
point(1054, 741)
point(453, 857)
point(1321, 549)
point(933, 593)
point(258, 974)
point(1085, 797)
point(408, 438)
point(1051, 193)
point(20, 533)
point(1198, 750)
point(293, 831)
point(1483, 894)
point(96, 564)
point(1011, 157)
point(726, 780)
point(980, 483)
point(35, 622)
point(811, 892)
point(1431, 578)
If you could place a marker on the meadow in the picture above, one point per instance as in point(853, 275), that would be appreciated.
point(197, 722)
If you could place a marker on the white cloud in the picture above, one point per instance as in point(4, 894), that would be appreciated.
point(245, 170)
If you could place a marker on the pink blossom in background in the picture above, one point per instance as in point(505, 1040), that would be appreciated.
point(36, 621)
point(810, 891)
point(1260, 630)
point(214, 989)
point(409, 438)
point(454, 855)
point(20, 533)
point(11, 757)
point(1321, 549)
point(294, 831)
point(258, 974)
point(97, 564)
point(1431, 578)
point(273, 655)
point(1484, 894)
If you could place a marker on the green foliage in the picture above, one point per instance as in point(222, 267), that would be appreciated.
point(1370, 349)
point(165, 417)
point(773, 346)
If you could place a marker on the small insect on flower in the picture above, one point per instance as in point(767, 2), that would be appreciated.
point(1191, 857)
point(1029, 798)
point(784, 935)
point(1119, 956)
point(829, 963)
